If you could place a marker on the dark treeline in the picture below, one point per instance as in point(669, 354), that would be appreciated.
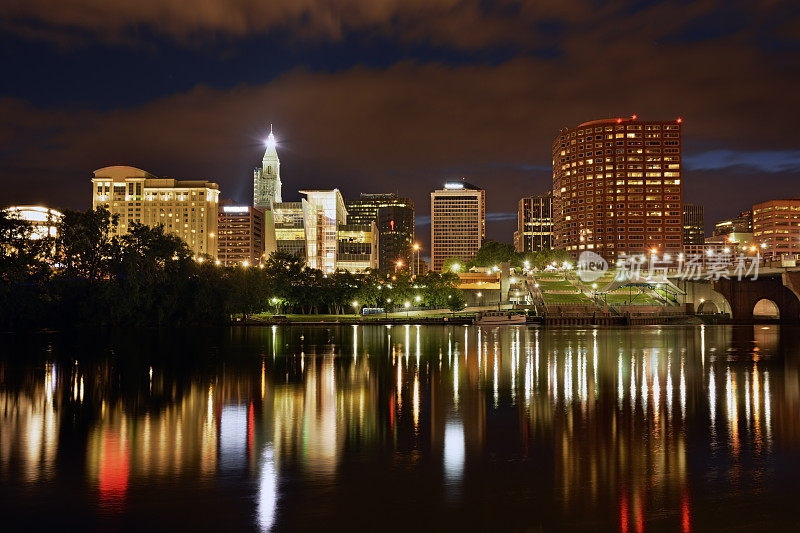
point(87, 276)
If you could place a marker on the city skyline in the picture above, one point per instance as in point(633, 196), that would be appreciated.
point(181, 102)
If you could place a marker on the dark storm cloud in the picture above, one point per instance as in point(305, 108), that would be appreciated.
point(462, 23)
point(772, 161)
point(408, 126)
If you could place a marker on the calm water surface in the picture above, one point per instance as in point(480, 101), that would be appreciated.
point(375, 428)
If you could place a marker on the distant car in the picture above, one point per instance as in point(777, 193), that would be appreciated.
point(372, 311)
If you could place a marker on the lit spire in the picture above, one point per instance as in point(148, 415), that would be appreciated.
point(271, 139)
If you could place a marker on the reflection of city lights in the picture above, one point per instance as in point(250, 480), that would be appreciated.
point(233, 437)
point(416, 399)
point(267, 490)
point(454, 452)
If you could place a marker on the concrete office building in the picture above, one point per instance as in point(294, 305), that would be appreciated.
point(458, 222)
point(240, 235)
point(186, 208)
point(617, 188)
point(776, 228)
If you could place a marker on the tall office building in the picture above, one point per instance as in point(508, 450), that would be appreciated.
point(617, 187)
point(395, 227)
point(186, 208)
point(240, 235)
point(694, 224)
point(776, 228)
point(741, 223)
point(267, 190)
point(458, 222)
point(534, 223)
point(394, 217)
point(267, 179)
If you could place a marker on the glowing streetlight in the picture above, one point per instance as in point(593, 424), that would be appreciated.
point(355, 307)
point(455, 267)
point(406, 304)
point(245, 263)
point(418, 298)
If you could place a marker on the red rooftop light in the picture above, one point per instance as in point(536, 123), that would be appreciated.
point(619, 121)
point(634, 117)
point(679, 120)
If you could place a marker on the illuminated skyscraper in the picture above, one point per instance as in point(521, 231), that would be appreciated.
point(534, 224)
point(458, 222)
point(617, 187)
point(394, 217)
point(694, 224)
point(267, 179)
point(186, 208)
point(241, 235)
point(776, 227)
point(267, 190)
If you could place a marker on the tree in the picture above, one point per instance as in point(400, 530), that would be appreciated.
point(85, 244)
point(456, 301)
point(454, 264)
point(493, 253)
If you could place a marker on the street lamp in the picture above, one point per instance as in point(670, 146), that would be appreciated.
point(398, 264)
point(416, 249)
point(407, 304)
point(355, 307)
point(245, 263)
point(455, 267)
point(594, 288)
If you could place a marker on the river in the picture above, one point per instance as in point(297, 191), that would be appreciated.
point(426, 427)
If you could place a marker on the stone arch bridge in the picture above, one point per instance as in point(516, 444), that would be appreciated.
point(773, 289)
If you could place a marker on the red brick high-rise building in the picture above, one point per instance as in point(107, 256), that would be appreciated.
point(617, 188)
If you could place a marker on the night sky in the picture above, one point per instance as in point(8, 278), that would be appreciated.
point(392, 95)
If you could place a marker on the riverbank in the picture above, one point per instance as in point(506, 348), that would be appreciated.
point(469, 318)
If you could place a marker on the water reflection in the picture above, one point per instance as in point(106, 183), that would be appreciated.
point(605, 428)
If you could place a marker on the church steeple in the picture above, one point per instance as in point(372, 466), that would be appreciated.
point(267, 179)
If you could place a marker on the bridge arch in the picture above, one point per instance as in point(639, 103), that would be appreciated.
point(702, 295)
point(707, 307)
point(744, 295)
point(766, 308)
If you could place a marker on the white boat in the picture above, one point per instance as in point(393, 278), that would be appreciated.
point(499, 318)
